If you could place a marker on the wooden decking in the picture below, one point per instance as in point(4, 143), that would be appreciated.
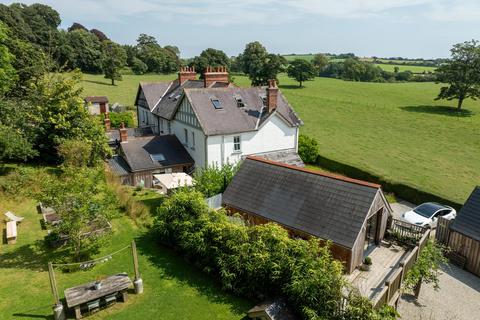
point(384, 263)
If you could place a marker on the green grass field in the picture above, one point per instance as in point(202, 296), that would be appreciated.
point(394, 130)
point(385, 66)
point(173, 289)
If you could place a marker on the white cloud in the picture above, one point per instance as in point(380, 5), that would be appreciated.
point(257, 12)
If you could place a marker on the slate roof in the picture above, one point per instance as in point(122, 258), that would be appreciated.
point(152, 91)
point(467, 221)
point(231, 118)
point(96, 99)
point(163, 97)
point(275, 309)
point(327, 206)
point(168, 104)
point(137, 152)
point(119, 166)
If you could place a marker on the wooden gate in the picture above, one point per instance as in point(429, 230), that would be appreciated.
point(443, 230)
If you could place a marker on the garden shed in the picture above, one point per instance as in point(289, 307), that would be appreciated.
point(464, 237)
point(352, 214)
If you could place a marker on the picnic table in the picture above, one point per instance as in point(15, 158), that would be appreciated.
point(86, 293)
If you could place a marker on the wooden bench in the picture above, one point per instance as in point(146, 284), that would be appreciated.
point(11, 232)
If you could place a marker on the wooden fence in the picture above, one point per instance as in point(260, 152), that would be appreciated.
point(391, 291)
point(443, 230)
point(406, 232)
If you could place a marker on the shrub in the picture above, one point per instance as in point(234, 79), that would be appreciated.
point(307, 149)
point(257, 261)
point(138, 66)
point(214, 180)
point(367, 261)
point(116, 118)
point(75, 153)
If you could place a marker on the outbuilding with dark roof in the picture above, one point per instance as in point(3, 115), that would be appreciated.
point(352, 214)
point(464, 238)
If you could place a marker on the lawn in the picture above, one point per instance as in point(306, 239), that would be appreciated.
point(173, 288)
point(394, 130)
point(414, 69)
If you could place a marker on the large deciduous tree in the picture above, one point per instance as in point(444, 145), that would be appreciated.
point(259, 65)
point(461, 73)
point(83, 203)
point(301, 70)
point(210, 58)
point(156, 58)
point(8, 75)
point(320, 61)
point(114, 58)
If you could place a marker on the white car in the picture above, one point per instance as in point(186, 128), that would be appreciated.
point(426, 214)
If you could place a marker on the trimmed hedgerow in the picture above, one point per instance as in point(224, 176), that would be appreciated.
point(255, 261)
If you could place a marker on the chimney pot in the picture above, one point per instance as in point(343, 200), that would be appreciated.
point(107, 122)
point(272, 95)
point(123, 133)
point(186, 73)
point(215, 74)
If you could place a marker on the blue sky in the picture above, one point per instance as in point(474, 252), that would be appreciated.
point(410, 28)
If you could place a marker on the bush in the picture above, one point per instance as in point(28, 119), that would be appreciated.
point(367, 261)
point(307, 149)
point(258, 261)
point(138, 66)
point(75, 153)
point(116, 118)
point(214, 180)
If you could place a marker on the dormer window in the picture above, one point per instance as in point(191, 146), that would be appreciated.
point(216, 103)
point(240, 103)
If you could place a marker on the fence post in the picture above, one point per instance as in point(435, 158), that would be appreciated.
point(58, 312)
point(138, 282)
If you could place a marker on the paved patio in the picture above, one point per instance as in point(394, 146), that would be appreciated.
point(457, 299)
point(384, 262)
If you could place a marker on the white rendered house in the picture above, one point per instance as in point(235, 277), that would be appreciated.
point(219, 123)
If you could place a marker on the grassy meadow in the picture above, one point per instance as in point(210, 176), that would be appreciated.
point(173, 288)
point(393, 130)
point(385, 65)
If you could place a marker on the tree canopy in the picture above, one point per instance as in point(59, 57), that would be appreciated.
point(461, 73)
point(114, 59)
point(259, 65)
point(301, 70)
point(210, 57)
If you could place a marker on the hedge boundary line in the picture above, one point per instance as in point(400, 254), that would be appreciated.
point(401, 190)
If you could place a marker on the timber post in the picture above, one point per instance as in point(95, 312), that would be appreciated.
point(138, 282)
point(58, 312)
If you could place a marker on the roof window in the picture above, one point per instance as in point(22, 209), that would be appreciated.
point(216, 103)
point(157, 157)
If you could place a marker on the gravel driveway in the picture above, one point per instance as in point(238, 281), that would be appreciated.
point(400, 208)
point(457, 299)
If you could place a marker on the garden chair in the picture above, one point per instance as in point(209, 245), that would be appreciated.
point(12, 217)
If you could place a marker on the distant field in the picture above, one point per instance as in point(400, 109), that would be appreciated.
point(385, 66)
point(414, 69)
point(395, 130)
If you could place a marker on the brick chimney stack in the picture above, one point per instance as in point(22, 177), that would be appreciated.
point(107, 122)
point(123, 133)
point(218, 74)
point(186, 73)
point(272, 95)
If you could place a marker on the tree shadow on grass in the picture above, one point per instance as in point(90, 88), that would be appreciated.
point(32, 314)
point(99, 82)
point(290, 86)
point(152, 203)
point(29, 256)
point(440, 110)
point(175, 267)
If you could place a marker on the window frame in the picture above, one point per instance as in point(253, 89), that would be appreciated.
point(237, 145)
point(185, 131)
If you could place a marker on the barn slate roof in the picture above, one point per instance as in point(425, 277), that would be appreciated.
point(327, 206)
point(137, 152)
point(231, 118)
point(467, 221)
point(119, 166)
point(96, 99)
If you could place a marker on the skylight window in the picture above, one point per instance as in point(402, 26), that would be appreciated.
point(157, 157)
point(216, 103)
